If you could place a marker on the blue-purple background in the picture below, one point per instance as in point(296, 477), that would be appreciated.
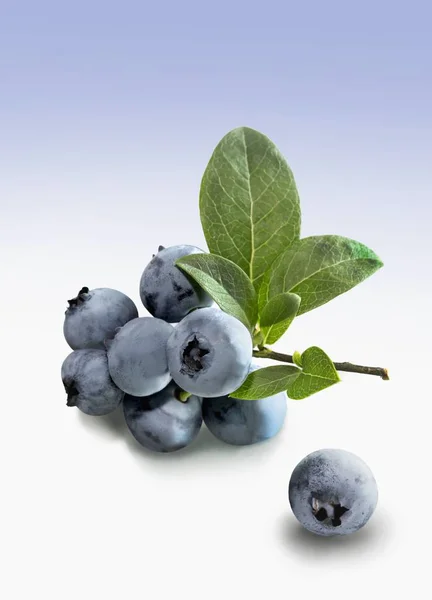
point(109, 113)
point(102, 102)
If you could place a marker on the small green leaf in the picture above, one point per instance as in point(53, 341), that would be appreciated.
point(297, 358)
point(318, 374)
point(225, 282)
point(249, 205)
point(318, 268)
point(266, 382)
point(277, 316)
point(258, 339)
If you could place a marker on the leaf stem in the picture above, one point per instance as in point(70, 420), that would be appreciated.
point(183, 396)
point(339, 366)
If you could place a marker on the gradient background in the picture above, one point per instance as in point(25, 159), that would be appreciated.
point(109, 113)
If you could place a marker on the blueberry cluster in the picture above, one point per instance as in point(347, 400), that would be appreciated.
point(171, 370)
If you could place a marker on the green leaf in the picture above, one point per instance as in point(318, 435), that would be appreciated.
point(266, 382)
point(249, 205)
point(258, 338)
point(226, 283)
point(318, 268)
point(318, 374)
point(277, 316)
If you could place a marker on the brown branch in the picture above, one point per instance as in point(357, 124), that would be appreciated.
point(339, 366)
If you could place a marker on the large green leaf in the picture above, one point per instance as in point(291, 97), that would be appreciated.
point(249, 205)
point(266, 382)
point(225, 282)
point(318, 268)
point(318, 372)
point(277, 316)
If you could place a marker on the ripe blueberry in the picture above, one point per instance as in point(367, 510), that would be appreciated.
point(243, 422)
point(94, 315)
point(209, 353)
point(88, 384)
point(332, 492)
point(166, 291)
point(137, 358)
point(161, 422)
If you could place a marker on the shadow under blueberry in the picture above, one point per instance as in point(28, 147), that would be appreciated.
point(204, 448)
point(112, 425)
point(307, 545)
point(203, 445)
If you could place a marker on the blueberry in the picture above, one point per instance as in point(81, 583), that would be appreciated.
point(332, 492)
point(209, 353)
point(244, 422)
point(88, 384)
point(161, 422)
point(137, 356)
point(166, 291)
point(94, 315)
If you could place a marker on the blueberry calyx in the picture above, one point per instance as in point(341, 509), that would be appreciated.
point(80, 298)
point(72, 393)
point(160, 248)
point(328, 511)
point(193, 355)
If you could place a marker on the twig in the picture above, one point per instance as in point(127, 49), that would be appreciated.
point(339, 366)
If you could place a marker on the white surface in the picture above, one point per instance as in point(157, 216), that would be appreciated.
point(86, 513)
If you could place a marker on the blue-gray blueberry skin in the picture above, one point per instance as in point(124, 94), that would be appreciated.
point(94, 315)
point(332, 492)
point(137, 356)
point(161, 422)
point(245, 422)
point(88, 384)
point(209, 353)
point(166, 291)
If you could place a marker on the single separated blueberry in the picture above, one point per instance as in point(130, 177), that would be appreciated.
point(88, 384)
point(166, 291)
point(161, 422)
point(94, 315)
point(332, 492)
point(244, 422)
point(137, 357)
point(209, 353)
